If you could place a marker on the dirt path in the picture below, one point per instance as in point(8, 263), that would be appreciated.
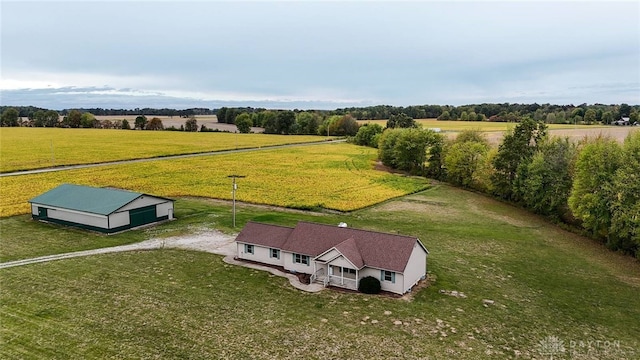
point(212, 241)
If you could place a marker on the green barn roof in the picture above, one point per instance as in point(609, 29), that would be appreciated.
point(85, 198)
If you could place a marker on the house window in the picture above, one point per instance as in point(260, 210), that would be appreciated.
point(349, 271)
point(388, 276)
point(301, 259)
point(248, 248)
point(275, 253)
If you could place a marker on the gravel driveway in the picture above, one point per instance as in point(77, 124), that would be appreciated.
point(211, 241)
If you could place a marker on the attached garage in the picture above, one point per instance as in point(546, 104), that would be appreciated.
point(100, 209)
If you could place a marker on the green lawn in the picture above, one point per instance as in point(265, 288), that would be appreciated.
point(190, 305)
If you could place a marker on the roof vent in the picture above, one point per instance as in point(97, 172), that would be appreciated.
point(342, 224)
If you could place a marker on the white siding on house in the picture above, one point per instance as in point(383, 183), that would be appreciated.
point(341, 261)
point(261, 254)
point(394, 287)
point(142, 201)
point(416, 267)
point(119, 219)
point(326, 257)
point(291, 266)
point(77, 217)
point(163, 209)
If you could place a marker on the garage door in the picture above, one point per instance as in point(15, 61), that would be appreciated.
point(142, 216)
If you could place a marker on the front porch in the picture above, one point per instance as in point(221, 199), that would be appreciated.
point(331, 275)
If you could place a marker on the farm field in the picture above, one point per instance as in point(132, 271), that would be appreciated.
point(34, 148)
point(495, 130)
point(547, 286)
point(334, 176)
point(451, 125)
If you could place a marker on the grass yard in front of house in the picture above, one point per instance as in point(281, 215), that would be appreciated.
point(544, 282)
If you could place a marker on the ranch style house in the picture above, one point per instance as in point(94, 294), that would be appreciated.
point(99, 209)
point(336, 255)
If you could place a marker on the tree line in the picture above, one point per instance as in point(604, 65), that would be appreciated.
point(506, 112)
point(592, 185)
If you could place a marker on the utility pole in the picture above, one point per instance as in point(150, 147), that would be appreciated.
point(233, 192)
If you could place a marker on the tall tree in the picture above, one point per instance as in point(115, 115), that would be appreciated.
point(596, 166)
point(87, 120)
point(51, 118)
point(549, 178)
point(285, 120)
point(155, 124)
point(221, 114)
point(141, 122)
point(191, 124)
point(270, 122)
point(368, 135)
point(10, 117)
point(401, 121)
point(514, 154)
point(625, 198)
point(73, 119)
point(243, 123)
point(464, 156)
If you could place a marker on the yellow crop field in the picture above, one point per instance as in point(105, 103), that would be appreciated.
point(449, 125)
point(34, 148)
point(335, 176)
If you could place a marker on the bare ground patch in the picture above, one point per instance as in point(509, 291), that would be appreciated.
point(473, 206)
point(430, 208)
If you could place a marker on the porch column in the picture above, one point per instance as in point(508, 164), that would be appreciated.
point(357, 279)
point(341, 275)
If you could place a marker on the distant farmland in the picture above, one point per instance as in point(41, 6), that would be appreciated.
point(495, 130)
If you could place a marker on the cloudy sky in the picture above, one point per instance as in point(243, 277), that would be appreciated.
point(321, 55)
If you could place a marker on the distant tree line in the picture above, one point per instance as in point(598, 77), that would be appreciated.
point(547, 113)
point(289, 121)
point(592, 185)
point(281, 124)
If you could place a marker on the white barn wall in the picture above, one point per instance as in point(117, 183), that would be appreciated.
point(416, 267)
point(143, 201)
point(162, 209)
point(34, 209)
point(119, 219)
point(77, 217)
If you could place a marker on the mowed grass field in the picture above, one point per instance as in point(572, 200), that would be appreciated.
point(336, 176)
point(173, 304)
point(34, 148)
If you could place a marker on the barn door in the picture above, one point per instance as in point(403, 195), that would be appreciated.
point(42, 212)
point(142, 216)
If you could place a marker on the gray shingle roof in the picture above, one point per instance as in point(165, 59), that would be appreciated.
point(85, 198)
